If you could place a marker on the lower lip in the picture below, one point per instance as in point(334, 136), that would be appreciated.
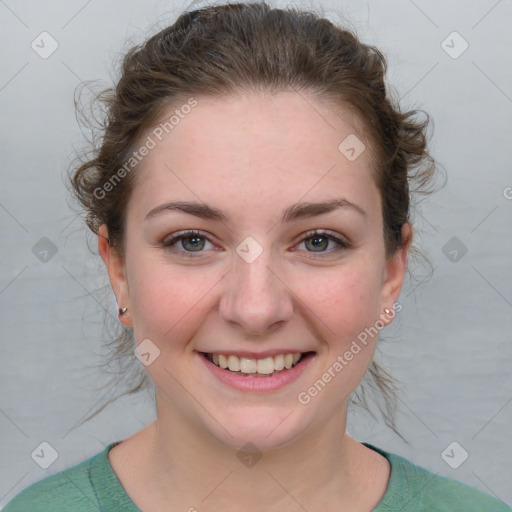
point(243, 383)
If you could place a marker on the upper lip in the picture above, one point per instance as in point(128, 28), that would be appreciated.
point(257, 355)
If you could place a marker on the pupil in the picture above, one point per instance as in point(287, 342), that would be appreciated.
point(195, 244)
point(315, 242)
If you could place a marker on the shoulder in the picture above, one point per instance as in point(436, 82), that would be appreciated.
point(412, 488)
point(73, 489)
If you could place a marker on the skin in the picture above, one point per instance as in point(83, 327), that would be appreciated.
point(252, 156)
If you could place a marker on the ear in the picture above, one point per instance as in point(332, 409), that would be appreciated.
point(116, 272)
point(396, 267)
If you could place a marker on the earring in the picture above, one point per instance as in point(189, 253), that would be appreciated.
point(387, 311)
point(122, 311)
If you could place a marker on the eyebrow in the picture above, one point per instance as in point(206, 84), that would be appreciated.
point(293, 212)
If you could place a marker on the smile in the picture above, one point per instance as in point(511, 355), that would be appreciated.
point(249, 367)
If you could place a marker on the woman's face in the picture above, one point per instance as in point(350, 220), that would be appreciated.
point(255, 176)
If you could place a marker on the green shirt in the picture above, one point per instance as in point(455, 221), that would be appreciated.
point(92, 486)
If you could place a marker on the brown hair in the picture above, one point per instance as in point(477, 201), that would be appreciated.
point(224, 49)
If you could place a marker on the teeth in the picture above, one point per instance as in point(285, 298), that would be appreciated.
point(247, 365)
point(265, 366)
point(279, 362)
point(234, 363)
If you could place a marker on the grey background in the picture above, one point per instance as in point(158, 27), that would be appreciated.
point(451, 345)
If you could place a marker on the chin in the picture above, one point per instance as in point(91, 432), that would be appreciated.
point(265, 430)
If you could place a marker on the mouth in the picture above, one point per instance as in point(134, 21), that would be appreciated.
point(264, 367)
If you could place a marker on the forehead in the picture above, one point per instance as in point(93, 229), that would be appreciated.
point(283, 146)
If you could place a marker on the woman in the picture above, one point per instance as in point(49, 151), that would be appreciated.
point(251, 198)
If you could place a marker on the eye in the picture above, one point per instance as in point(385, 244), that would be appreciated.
point(318, 241)
point(190, 242)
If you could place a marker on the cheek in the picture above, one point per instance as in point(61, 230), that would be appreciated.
point(344, 308)
point(345, 301)
point(167, 302)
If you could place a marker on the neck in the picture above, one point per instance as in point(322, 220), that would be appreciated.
point(188, 467)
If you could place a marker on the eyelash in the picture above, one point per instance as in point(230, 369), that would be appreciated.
point(342, 244)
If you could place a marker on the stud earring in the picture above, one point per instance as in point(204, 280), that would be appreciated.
point(122, 311)
point(387, 311)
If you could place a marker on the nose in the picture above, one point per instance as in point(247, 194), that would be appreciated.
point(255, 296)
